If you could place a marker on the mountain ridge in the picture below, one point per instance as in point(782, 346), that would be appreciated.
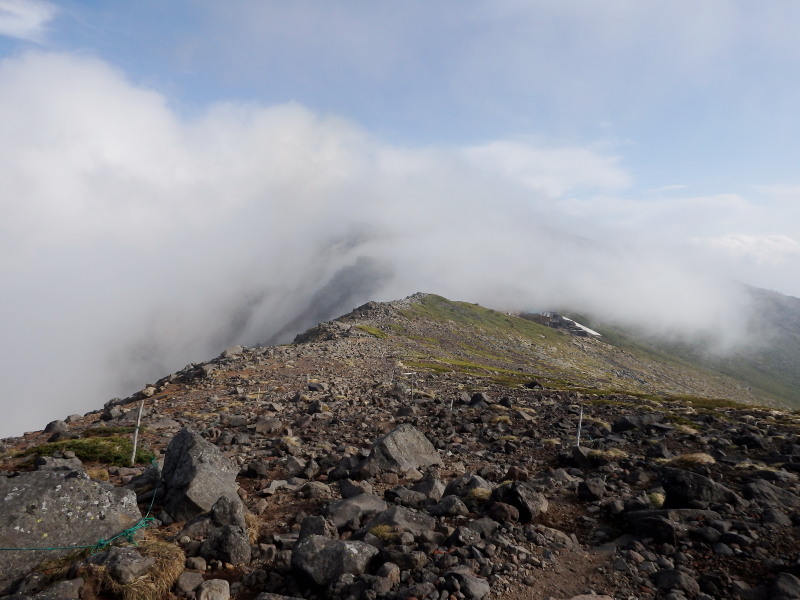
point(434, 443)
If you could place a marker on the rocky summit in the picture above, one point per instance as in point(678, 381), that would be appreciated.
point(419, 449)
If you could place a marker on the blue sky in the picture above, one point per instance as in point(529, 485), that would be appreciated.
point(183, 175)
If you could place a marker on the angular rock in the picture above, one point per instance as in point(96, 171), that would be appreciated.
point(785, 587)
point(686, 489)
point(60, 508)
point(473, 588)
point(355, 507)
point(124, 565)
point(469, 486)
point(195, 475)
point(63, 590)
point(317, 525)
point(641, 422)
point(324, 560)
point(402, 449)
point(431, 487)
point(188, 582)
point(674, 579)
point(229, 543)
point(228, 511)
point(591, 489)
point(404, 519)
point(771, 495)
point(449, 506)
point(214, 589)
point(523, 497)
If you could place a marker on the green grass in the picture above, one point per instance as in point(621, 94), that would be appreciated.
point(107, 431)
point(374, 331)
point(438, 309)
point(111, 450)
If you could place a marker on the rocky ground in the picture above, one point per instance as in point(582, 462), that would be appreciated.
point(326, 469)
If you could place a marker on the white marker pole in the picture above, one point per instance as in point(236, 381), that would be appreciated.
point(580, 424)
point(136, 433)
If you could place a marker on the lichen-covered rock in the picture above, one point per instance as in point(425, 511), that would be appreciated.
point(54, 509)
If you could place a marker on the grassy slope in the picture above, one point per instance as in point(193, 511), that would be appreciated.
point(443, 335)
point(769, 366)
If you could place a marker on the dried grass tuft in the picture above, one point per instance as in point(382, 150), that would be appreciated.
point(693, 459)
point(154, 585)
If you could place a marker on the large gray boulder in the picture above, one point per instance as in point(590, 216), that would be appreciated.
point(686, 489)
point(54, 509)
point(195, 475)
point(771, 495)
point(402, 449)
point(324, 560)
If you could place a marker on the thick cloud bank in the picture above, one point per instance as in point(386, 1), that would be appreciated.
point(136, 239)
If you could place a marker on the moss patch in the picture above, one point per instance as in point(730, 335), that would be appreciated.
point(112, 450)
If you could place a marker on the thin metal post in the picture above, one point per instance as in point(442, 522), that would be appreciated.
point(580, 424)
point(136, 433)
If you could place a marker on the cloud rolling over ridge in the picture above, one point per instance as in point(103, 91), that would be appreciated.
point(136, 239)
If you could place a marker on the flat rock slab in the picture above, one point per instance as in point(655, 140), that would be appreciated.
point(54, 509)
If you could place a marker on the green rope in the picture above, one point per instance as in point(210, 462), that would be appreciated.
point(102, 544)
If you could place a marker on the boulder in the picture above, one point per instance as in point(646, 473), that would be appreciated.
point(523, 497)
point(324, 560)
point(54, 509)
point(771, 495)
point(686, 489)
point(63, 590)
point(403, 449)
point(675, 579)
point(354, 508)
point(472, 587)
point(641, 421)
point(402, 519)
point(196, 475)
point(229, 543)
point(785, 587)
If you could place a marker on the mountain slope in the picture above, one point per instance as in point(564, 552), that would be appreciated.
point(519, 491)
point(431, 333)
point(768, 366)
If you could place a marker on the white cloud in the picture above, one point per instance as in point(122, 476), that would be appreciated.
point(773, 249)
point(26, 19)
point(553, 171)
point(135, 241)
